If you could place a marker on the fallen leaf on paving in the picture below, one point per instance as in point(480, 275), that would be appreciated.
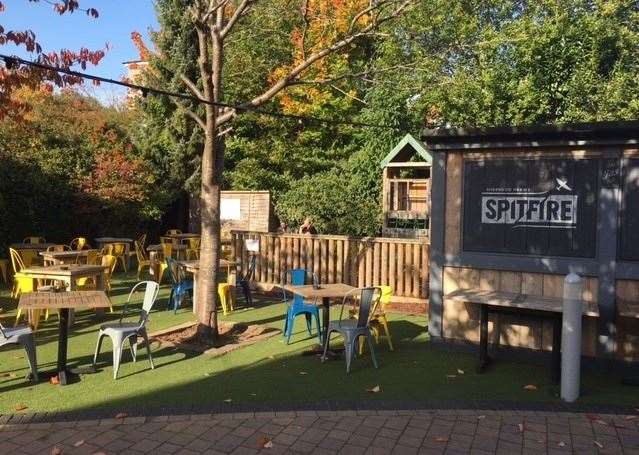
point(530, 387)
point(631, 417)
point(451, 376)
point(13, 375)
point(17, 356)
point(481, 417)
point(460, 371)
point(520, 426)
point(599, 444)
point(441, 439)
point(79, 443)
point(303, 373)
point(56, 450)
point(561, 444)
point(54, 380)
point(121, 415)
point(601, 422)
point(21, 407)
point(375, 389)
point(228, 400)
point(263, 442)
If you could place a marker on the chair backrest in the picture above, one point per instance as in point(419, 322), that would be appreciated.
point(368, 299)
point(106, 249)
point(139, 251)
point(194, 243)
point(142, 239)
point(174, 270)
point(386, 294)
point(16, 260)
point(109, 261)
point(92, 257)
point(118, 249)
point(150, 296)
point(167, 250)
point(251, 268)
point(33, 239)
point(297, 277)
point(79, 243)
point(173, 232)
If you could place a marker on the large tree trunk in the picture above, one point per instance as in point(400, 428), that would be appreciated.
point(206, 298)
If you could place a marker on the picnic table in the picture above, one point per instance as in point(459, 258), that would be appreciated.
point(183, 236)
point(64, 302)
point(517, 304)
point(67, 274)
point(326, 293)
point(65, 257)
point(31, 246)
point(194, 267)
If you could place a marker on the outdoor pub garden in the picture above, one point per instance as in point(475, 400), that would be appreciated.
point(402, 226)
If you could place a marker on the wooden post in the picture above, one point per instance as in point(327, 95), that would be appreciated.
point(377, 264)
point(339, 262)
point(400, 270)
point(331, 261)
point(383, 264)
point(416, 272)
point(392, 266)
point(316, 257)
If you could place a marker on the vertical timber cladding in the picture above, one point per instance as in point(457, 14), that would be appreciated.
point(543, 206)
point(629, 232)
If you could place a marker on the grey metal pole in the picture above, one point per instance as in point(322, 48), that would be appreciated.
point(571, 338)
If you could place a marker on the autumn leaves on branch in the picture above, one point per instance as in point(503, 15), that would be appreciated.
point(13, 75)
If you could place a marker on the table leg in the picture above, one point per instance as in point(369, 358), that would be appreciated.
point(326, 307)
point(483, 338)
point(71, 286)
point(556, 350)
point(63, 336)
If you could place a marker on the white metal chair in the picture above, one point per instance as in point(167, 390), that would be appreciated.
point(23, 336)
point(120, 331)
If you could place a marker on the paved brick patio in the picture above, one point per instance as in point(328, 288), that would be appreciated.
point(345, 432)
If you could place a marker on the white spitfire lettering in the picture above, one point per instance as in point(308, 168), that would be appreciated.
point(533, 211)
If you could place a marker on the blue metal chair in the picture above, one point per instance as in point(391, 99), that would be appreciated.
point(352, 329)
point(296, 306)
point(181, 285)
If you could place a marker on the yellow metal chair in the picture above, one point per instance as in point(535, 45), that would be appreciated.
point(142, 240)
point(167, 250)
point(79, 243)
point(378, 322)
point(93, 258)
point(34, 240)
point(29, 257)
point(164, 239)
point(4, 266)
point(107, 261)
point(193, 248)
point(173, 232)
point(227, 297)
point(143, 260)
point(119, 251)
point(23, 284)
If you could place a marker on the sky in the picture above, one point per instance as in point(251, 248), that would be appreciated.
point(117, 19)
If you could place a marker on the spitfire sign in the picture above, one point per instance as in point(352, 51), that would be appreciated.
point(531, 206)
point(531, 209)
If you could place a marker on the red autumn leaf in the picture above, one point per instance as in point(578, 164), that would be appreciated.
point(121, 415)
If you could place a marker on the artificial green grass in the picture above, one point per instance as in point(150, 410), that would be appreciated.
point(270, 371)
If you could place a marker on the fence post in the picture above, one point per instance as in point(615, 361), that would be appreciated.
point(571, 338)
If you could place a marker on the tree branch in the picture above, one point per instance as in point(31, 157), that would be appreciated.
point(191, 86)
point(201, 123)
point(242, 8)
point(298, 69)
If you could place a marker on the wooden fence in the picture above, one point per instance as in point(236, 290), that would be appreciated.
point(402, 264)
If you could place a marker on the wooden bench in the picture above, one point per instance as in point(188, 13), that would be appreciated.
point(511, 303)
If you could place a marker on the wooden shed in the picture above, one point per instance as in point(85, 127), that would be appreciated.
point(514, 210)
point(406, 189)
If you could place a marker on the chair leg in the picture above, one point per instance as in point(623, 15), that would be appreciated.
point(148, 348)
point(291, 324)
point(309, 322)
point(18, 317)
point(326, 341)
point(285, 332)
point(29, 347)
point(387, 331)
point(118, 344)
point(370, 346)
point(319, 327)
point(360, 342)
point(98, 346)
point(133, 347)
point(349, 352)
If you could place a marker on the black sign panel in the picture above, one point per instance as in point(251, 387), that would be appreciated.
point(629, 236)
point(532, 207)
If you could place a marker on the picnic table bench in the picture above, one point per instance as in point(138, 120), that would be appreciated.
point(517, 304)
